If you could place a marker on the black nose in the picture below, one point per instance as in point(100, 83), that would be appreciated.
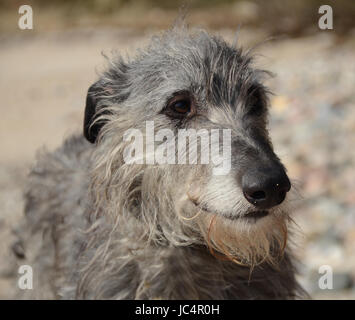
point(265, 187)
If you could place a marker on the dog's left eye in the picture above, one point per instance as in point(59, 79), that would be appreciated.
point(180, 106)
point(256, 102)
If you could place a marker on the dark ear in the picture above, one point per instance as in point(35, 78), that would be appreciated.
point(91, 130)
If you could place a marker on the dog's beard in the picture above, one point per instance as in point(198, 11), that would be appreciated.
point(240, 238)
point(244, 242)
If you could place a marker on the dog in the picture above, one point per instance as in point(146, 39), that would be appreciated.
point(100, 227)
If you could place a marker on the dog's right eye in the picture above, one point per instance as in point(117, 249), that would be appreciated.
point(180, 106)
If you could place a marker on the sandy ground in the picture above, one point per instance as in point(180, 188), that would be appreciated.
point(43, 83)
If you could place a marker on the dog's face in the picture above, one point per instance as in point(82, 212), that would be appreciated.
point(193, 83)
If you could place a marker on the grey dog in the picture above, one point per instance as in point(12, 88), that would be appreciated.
point(98, 227)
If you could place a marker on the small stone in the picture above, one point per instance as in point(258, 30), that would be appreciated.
point(342, 281)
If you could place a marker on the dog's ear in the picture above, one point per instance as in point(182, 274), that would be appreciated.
point(111, 88)
point(92, 128)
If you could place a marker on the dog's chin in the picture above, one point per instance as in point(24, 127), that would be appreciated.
point(247, 237)
point(249, 216)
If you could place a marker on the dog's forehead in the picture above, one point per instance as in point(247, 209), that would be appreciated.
point(201, 63)
point(194, 57)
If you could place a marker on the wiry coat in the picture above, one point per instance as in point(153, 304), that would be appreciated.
point(97, 227)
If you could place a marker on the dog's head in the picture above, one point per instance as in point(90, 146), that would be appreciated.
point(182, 145)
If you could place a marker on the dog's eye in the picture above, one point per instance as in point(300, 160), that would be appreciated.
point(256, 102)
point(180, 106)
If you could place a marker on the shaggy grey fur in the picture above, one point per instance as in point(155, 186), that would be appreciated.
point(97, 227)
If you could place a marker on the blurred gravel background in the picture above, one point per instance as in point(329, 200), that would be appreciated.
point(45, 73)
